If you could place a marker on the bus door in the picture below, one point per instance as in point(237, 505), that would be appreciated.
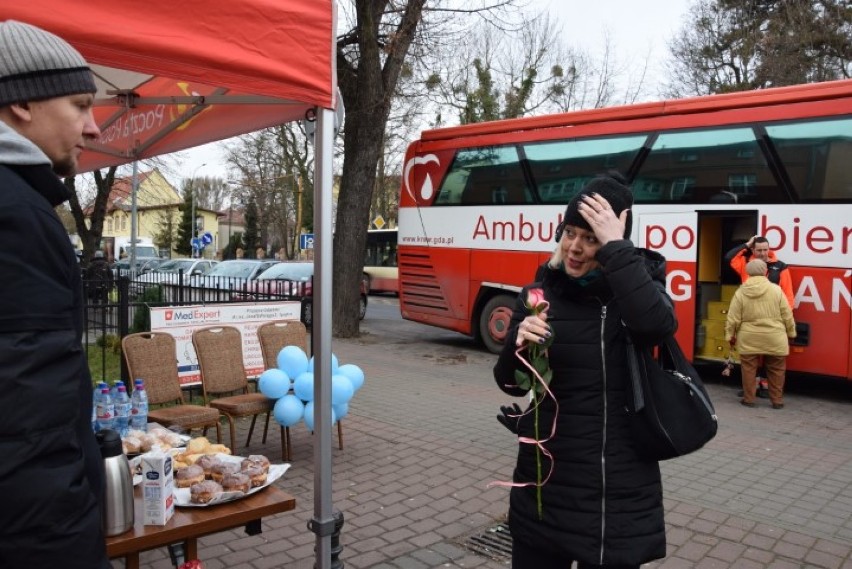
point(675, 236)
point(718, 233)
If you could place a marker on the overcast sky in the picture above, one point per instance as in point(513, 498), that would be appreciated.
point(637, 30)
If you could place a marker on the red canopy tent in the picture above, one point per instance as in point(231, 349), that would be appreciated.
point(173, 74)
point(176, 74)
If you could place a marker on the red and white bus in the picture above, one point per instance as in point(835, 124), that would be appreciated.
point(480, 203)
point(380, 270)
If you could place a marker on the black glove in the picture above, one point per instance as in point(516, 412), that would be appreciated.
point(504, 418)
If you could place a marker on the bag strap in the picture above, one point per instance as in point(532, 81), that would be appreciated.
point(635, 372)
point(634, 358)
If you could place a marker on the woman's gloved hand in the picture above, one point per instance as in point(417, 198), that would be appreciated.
point(509, 417)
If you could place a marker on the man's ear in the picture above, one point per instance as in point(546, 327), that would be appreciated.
point(21, 111)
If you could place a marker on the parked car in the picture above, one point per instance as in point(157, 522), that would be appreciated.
point(143, 265)
point(232, 274)
point(171, 272)
point(291, 280)
point(217, 285)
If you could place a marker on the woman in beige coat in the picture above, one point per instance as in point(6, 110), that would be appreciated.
point(761, 323)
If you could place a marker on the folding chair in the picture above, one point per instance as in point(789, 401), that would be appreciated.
point(152, 357)
point(275, 335)
point(220, 357)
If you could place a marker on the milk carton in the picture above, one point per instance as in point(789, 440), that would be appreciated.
point(157, 488)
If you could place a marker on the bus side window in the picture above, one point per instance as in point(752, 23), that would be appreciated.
point(503, 184)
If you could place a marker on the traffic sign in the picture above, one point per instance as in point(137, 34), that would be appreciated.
point(306, 241)
point(207, 238)
point(379, 222)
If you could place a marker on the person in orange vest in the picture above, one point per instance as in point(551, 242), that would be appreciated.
point(777, 272)
point(758, 248)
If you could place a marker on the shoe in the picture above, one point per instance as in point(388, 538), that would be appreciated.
point(745, 403)
point(763, 393)
point(777, 405)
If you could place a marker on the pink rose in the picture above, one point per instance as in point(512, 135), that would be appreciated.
point(535, 300)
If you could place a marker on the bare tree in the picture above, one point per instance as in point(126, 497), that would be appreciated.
point(385, 41)
point(274, 171)
point(210, 192)
point(90, 234)
point(736, 45)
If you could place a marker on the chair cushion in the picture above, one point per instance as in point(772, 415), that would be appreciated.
point(184, 415)
point(241, 405)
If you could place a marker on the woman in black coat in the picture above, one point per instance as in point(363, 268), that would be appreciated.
point(602, 505)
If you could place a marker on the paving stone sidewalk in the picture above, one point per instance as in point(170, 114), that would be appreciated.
point(421, 444)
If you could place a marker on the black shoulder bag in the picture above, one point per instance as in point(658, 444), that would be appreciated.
point(672, 414)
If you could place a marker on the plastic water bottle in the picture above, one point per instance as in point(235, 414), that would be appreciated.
point(96, 394)
point(122, 410)
point(105, 410)
point(113, 391)
point(139, 407)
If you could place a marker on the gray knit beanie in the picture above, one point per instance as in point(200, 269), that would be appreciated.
point(36, 65)
point(613, 187)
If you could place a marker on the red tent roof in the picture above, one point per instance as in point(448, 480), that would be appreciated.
point(172, 75)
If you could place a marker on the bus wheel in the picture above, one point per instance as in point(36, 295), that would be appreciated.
point(494, 322)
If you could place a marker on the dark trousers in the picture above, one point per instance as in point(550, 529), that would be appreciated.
point(526, 557)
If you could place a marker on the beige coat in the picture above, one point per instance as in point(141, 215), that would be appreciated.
point(760, 319)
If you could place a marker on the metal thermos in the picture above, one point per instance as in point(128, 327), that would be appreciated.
point(117, 506)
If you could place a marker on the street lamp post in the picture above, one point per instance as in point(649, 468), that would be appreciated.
point(194, 232)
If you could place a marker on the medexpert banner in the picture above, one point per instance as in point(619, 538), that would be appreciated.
point(181, 321)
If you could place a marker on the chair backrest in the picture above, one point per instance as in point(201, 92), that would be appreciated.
point(152, 357)
point(275, 335)
point(220, 357)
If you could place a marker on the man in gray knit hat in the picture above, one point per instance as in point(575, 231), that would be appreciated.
point(51, 475)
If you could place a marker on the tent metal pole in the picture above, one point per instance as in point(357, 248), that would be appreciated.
point(134, 216)
point(323, 522)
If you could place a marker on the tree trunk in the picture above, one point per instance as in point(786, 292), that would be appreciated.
point(367, 88)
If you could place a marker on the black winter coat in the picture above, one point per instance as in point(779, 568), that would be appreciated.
point(602, 504)
point(51, 472)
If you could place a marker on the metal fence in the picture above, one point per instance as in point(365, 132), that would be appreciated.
point(121, 307)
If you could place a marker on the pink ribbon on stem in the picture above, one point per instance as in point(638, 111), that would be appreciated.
point(527, 440)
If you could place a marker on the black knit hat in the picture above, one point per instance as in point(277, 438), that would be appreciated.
point(612, 186)
point(36, 65)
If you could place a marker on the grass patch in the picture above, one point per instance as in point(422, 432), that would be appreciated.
point(104, 365)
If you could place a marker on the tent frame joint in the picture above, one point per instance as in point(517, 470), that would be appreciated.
point(322, 528)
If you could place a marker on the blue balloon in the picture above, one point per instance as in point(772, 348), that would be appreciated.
point(303, 387)
point(354, 373)
point(341, 389)
point(334, 364)
point(292, 360)
point(288, 410)
point(309, 415)
point(340, 410)
point(274, 383)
